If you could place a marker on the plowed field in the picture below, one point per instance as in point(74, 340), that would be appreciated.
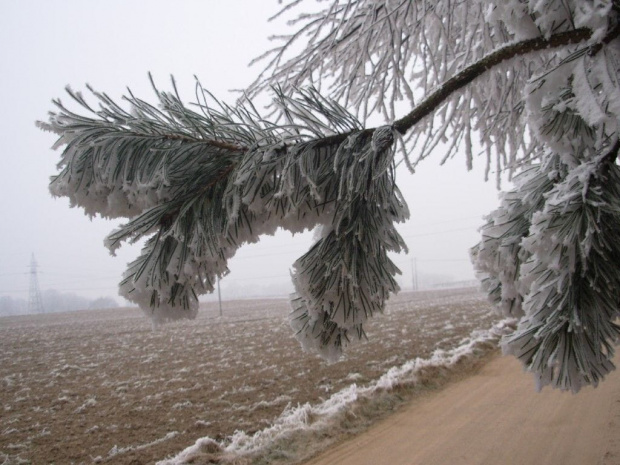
point(104, 387)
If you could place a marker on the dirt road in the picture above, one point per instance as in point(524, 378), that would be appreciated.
point(494, 417)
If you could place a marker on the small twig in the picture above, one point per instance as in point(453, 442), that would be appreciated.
point(610, 157)
point(213, 143)
point(169, 217)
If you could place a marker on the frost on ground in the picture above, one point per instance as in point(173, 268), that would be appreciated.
point(103, 387)
point(310, 421)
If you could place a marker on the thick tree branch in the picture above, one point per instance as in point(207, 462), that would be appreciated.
point(491, 60)
point(469, 74)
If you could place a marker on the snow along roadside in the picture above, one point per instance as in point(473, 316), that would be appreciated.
point(313, 418)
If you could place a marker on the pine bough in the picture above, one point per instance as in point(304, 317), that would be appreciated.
point(536, 80)
point(549, 254)
point(200, 184)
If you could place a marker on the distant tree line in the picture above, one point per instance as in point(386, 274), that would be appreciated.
point(55, 301)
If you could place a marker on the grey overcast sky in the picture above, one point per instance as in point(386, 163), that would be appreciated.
point(112, 45)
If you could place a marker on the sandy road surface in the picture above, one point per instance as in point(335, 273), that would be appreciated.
point(494, 418)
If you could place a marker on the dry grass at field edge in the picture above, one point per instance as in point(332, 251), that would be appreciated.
point(301, 446)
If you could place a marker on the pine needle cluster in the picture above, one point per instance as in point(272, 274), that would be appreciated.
point(532, 86)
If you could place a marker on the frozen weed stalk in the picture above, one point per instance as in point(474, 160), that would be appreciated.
point(533, 84)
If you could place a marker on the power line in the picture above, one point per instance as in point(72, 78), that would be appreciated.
point(445, 231)
point(434, 260)
point(438, 232)
point(451, 220)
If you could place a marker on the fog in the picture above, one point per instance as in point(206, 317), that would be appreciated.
point(113, 45)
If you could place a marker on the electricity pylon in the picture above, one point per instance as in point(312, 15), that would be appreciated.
point(34, 298)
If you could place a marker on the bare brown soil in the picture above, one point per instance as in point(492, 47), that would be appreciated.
point(104, 387)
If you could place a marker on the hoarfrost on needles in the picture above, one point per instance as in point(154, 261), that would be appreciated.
point(534, 82)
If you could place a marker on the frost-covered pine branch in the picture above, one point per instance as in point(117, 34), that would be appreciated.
point(198, 184)
point(536, 83)
point(548, 254)
point(376, 56)
point(565, 270)
point(499, 255)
